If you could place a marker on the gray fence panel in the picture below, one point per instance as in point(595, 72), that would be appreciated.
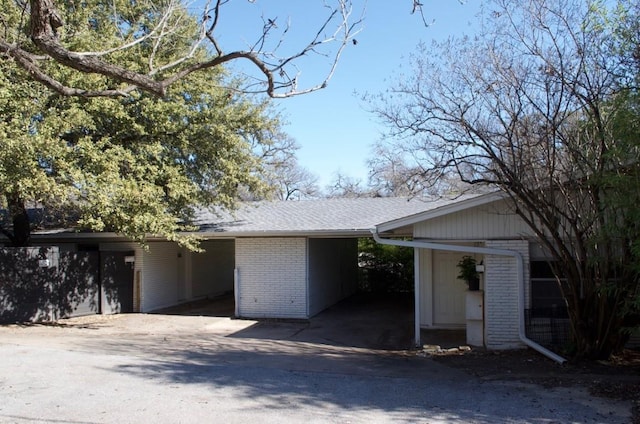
point(26, 282)
point(41, 284)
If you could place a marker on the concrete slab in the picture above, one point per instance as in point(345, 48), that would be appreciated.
point(380, 322)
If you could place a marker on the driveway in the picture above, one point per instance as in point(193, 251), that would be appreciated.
point(174, 368)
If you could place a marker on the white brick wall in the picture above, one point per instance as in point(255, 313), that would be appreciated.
point(272, 277)
point(501, 294)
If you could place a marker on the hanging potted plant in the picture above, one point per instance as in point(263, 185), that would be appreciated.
point(468, 272)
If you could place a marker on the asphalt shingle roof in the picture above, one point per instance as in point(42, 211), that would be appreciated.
point(331, 216)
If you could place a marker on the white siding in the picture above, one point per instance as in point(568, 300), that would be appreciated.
point(449, 292)
point(212, 270)
point(272, 274)
point(426, 287)
point(492, 221)
point(501, 294)
point(333, 272)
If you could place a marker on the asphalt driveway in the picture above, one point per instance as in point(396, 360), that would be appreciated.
point(174, 368)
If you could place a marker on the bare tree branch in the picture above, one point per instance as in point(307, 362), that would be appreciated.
point(29, 62)
point(279, 75)
point(539, 105)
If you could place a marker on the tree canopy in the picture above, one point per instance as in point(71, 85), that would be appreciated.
point(542, 104)
point(134, 165)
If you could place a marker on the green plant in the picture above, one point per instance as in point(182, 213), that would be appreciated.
point(468, 273)
point(384, 268)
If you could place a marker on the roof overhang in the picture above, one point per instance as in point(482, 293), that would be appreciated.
point(106, 237)
point(356, 233)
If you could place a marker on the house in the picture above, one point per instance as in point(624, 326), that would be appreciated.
point(279, 259)
point(486, 228)
point(294, 259)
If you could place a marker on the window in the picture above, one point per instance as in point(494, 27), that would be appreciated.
point(545, 293)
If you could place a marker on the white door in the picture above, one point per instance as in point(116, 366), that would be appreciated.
point(448, 291)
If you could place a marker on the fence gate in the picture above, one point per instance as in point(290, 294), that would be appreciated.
point(117, 281)
point(77, 286)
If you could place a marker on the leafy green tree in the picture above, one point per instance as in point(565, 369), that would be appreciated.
point(385, 268)
point(134, 165)
point(543, 104)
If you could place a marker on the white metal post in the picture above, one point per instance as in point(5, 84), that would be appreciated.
point(236, 292)
point(416, 291)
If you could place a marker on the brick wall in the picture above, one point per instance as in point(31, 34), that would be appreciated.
point(272, 277)
point(501, 294)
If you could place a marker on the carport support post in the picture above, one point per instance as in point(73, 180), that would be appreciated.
point(236, 292)
point(416, 296)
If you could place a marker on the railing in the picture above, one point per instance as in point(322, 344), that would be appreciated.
point(549, 327)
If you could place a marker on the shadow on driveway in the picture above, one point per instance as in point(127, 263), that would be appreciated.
point(370, 321)
point(362, 321)
point(203, 368)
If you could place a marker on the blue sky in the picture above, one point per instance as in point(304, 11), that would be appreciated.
point(332, 126)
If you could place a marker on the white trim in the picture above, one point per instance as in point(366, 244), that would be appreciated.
point(338, 233)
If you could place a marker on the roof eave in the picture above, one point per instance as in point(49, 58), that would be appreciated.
point(356, 232)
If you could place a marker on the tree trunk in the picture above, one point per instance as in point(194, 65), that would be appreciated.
point(598, 324)
point(21, 236)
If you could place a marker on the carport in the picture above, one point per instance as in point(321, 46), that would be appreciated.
point(170, 275)
point(485, 226)
point(294, 259)
point(283, 260)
